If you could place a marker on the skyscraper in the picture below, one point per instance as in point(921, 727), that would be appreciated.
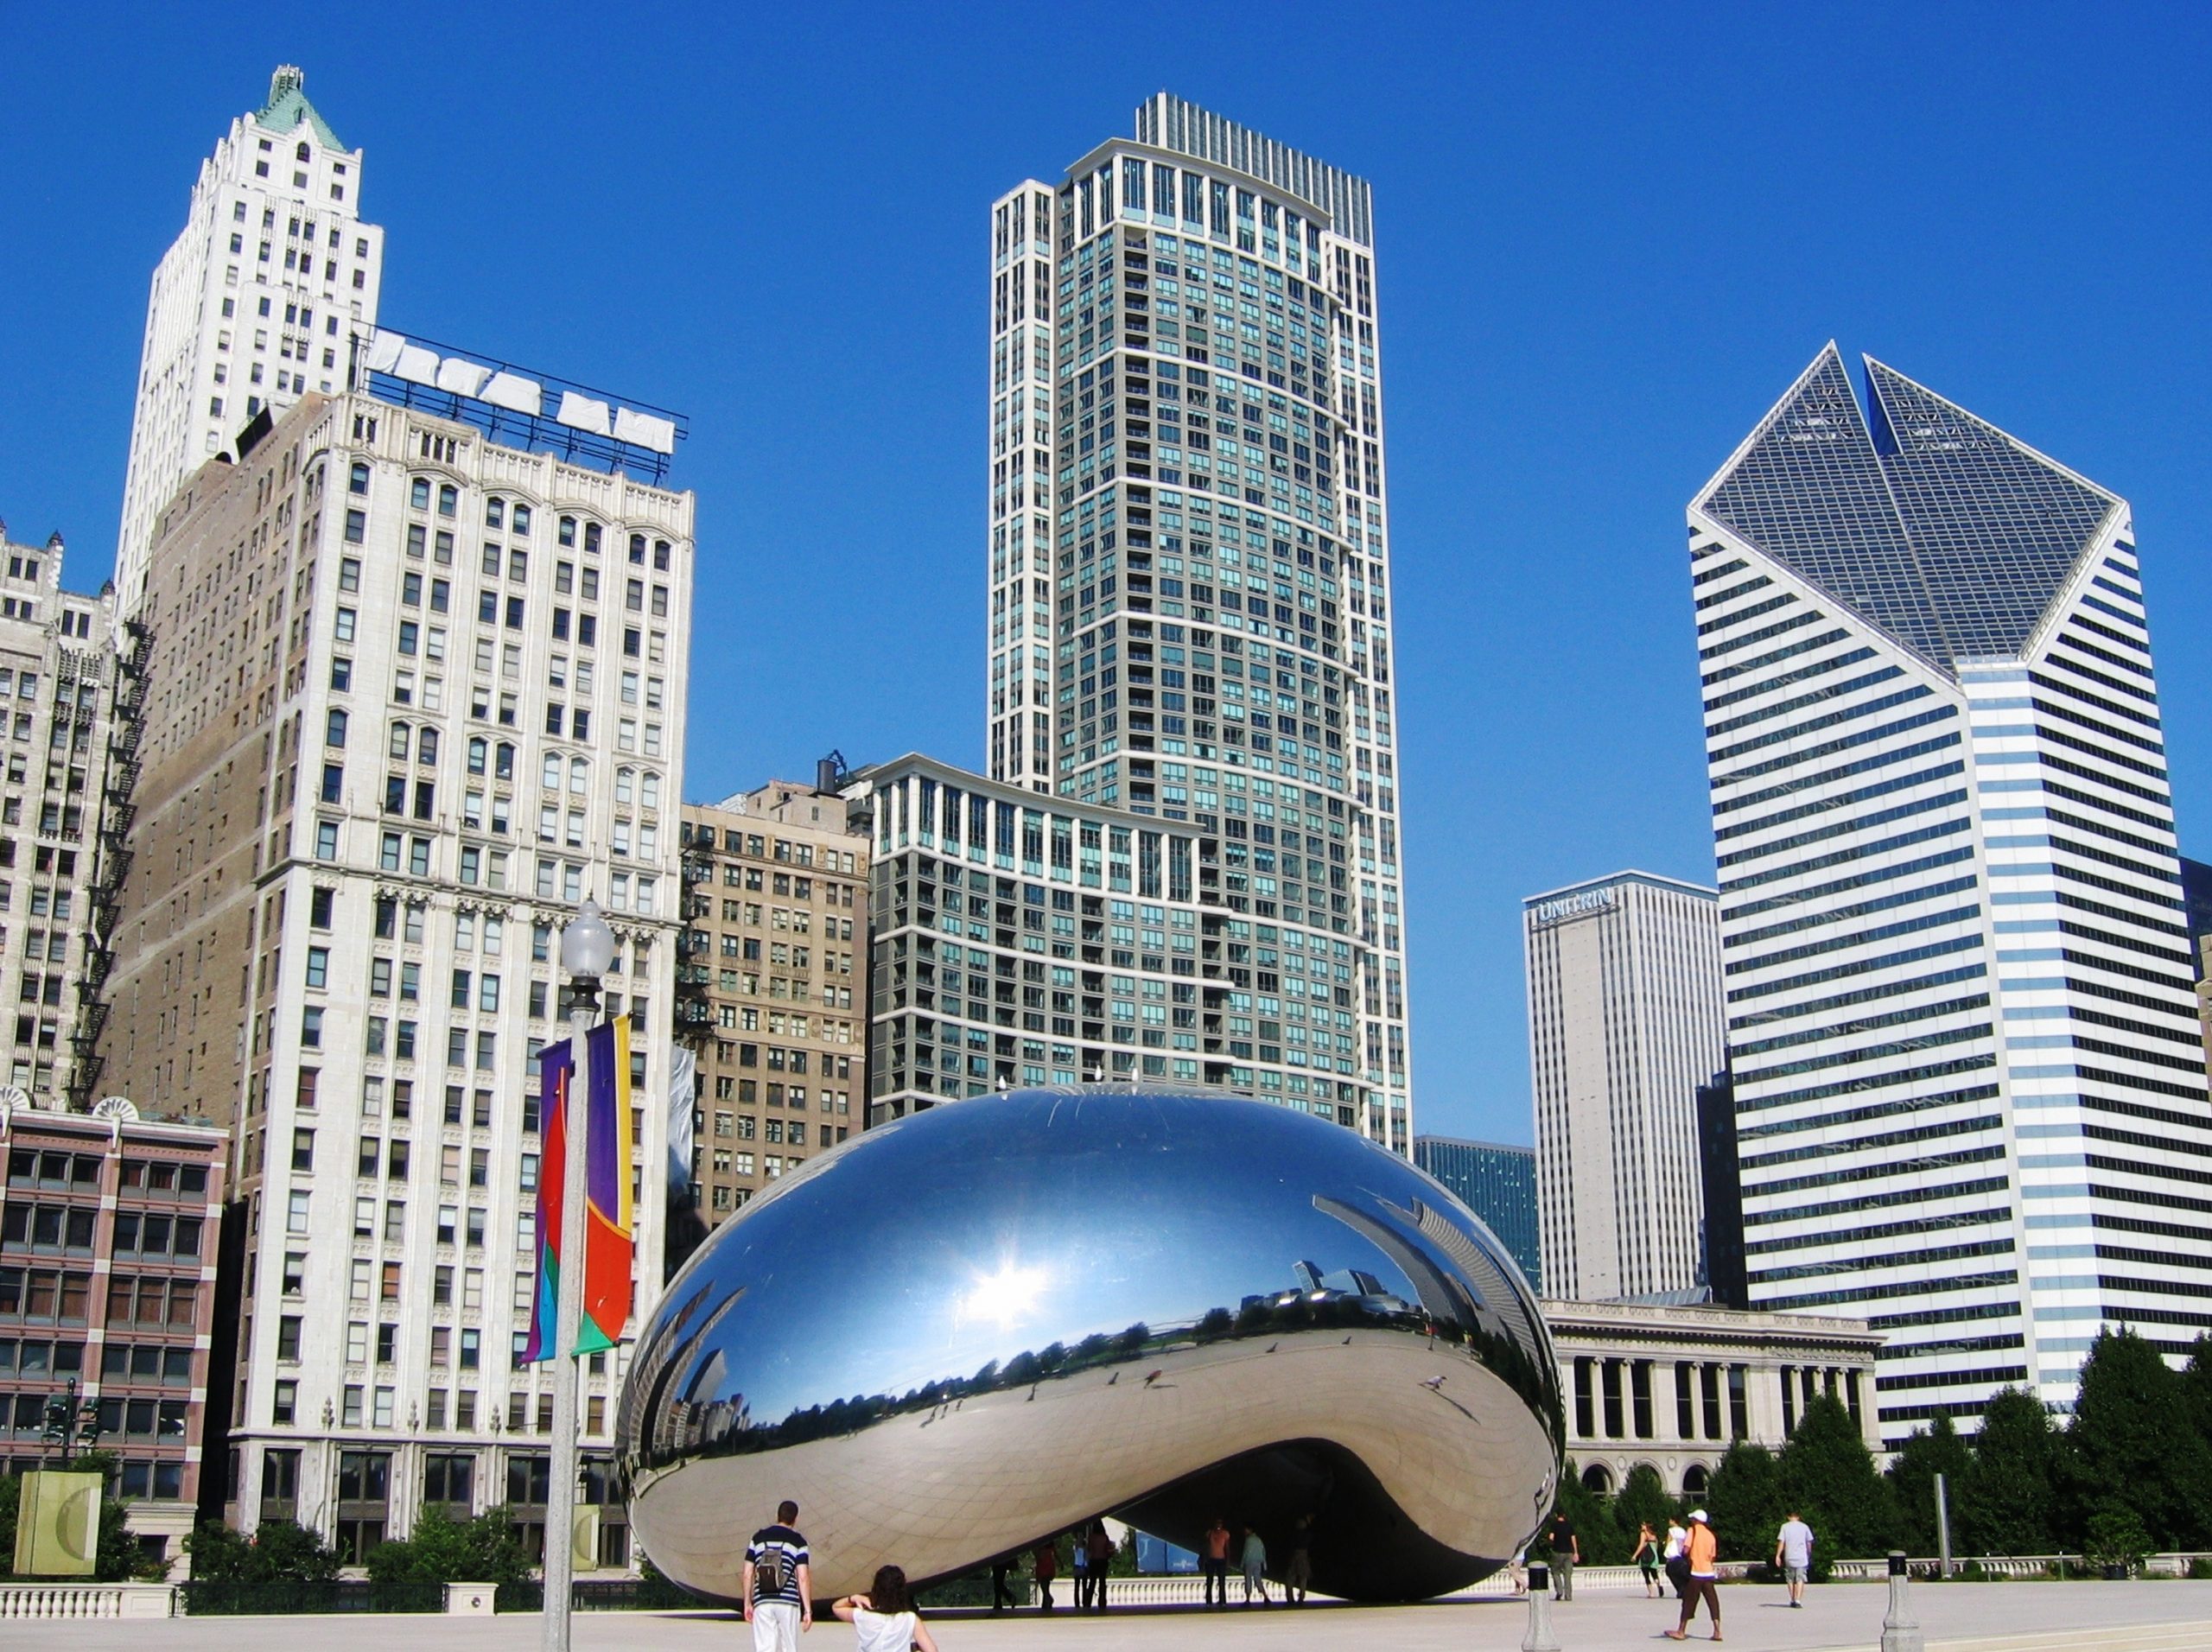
point(1189, 591)
point(1624, 1025)
point(1969, 1089)
point(1498, 1184)
point(257, 302)
point(417, 689)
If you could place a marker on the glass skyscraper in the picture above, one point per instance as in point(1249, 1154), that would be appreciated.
point(1497, 1183)
point(1189, 588)
point(1969, 1090)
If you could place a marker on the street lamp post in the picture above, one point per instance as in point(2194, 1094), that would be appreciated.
point(586, 949)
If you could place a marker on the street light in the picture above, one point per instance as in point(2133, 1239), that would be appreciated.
point(586, 949)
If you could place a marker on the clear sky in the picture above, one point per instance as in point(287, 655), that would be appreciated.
point(1608, 239)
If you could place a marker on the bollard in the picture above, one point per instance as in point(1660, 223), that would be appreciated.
point(1900, 1630)
point(1540, 1638)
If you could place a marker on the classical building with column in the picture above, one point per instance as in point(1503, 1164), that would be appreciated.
point(1674, 1387)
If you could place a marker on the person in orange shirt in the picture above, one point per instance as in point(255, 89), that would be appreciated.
point(1704, 1556)
point(1213, 1559)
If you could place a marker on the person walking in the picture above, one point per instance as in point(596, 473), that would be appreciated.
point(1703, 1552)
point(1793, 1552)
point(1100, 1545)
point(1213, 1561)
point(1044, 1567)
point(777, 1584)
point(1676, 1557)
point(1253, 1558)
point(1567, 1554)
point(1079, 1560)
point(886, 1619)
point(1299, 1573)
point(1002, 1598)
point(1646, 1558)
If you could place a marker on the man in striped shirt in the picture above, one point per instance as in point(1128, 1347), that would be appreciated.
point(778, 1583)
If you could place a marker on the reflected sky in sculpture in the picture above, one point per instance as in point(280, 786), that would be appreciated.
point(967, 1329)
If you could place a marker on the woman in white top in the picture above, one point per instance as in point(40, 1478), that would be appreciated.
point(885, 1618)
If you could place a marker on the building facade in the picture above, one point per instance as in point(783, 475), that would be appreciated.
point(416, 693)
point(1673, 1387)
point(1498, 1184)
point(64, 703)
point(1969, 1079)
point(109, 1230)
point(1023, 939)
point(775, 951)
point(259, 300)
point(1625, 1023)
point(1189, 596)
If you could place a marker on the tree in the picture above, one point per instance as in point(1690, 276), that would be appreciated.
point(2008, 1494)
point(1934, 1449)
point(1591, 1517)
point(1744, 1500)
point(443, 1550)
point(1643, 1500)
point(280, 1551)
point(2131, 1440)
point(1827, 1477)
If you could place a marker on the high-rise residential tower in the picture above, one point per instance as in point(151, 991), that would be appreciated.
point(257, 302)
point(1969, 1087)
point(1498, 1184)
point(1190, 591)
point(1623, 1025)
point(417, 689)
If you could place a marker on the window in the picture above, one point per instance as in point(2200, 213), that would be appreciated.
point(334, 729)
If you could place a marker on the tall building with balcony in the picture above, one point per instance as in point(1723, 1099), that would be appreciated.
point(772, 983)
point(259, 301)
point(108, 1226)
point(1625, 1025)
point(68, 710)
point(418, 664)
point(1969, 1077)
point(1189, 594)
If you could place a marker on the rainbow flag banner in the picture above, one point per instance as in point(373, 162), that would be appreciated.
point(606, 1257)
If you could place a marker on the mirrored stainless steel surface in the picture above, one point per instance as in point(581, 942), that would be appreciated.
point(966, 1329)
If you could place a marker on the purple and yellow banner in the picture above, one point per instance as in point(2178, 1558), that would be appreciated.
point(607, 1256)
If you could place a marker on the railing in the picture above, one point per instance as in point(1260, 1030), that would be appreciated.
point(64, 1600)
point(221, 1597)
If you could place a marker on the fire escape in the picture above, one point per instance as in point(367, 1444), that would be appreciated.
point(695, 1014)
point(111, 862)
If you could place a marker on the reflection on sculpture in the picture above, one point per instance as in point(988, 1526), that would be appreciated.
point(970, 1328)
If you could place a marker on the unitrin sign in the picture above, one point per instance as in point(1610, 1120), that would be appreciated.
point(1578, 905)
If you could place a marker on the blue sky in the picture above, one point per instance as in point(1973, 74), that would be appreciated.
point(1608, 239)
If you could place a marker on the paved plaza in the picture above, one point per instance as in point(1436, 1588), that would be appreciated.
point(2147, 1616)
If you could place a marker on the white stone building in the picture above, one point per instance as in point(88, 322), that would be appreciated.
point(417, 689)
point(257, 301)
point(1624, 1024)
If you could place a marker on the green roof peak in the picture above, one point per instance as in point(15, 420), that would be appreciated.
point(288, 106)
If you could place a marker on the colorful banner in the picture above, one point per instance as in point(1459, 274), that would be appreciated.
point(606, 1258)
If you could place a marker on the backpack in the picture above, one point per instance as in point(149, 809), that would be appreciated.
point(771, 1572)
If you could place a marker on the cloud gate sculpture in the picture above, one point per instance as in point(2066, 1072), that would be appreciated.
point(967, 1330)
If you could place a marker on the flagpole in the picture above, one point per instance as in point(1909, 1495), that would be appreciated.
point(586, 949)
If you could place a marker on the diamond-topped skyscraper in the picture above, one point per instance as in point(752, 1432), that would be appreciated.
point(1970, 1097)
point(1189, 591)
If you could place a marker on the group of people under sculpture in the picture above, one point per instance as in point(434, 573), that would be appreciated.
point(1690, 1557)
point(779, 1595)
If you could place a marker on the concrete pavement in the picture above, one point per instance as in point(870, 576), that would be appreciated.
point(2140, 1616)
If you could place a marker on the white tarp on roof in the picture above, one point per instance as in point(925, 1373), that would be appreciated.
point(514, 391)
point(418, 364)
point(384, 350)
point(645, 430)
point(462, 377)
point(583, 413)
